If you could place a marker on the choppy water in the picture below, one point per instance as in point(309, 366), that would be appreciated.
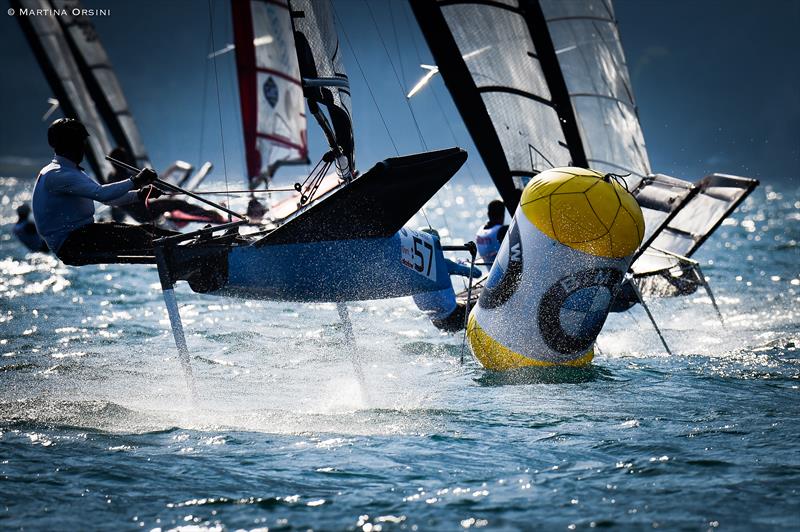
point(97, 431)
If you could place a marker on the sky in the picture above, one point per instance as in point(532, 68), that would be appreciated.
point(717, 85)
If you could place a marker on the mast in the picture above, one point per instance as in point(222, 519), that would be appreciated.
point(500, 66)
point(546, 53)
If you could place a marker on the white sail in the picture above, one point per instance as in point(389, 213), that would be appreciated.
point(587, 43)
point(100, 79)
point(324, 77)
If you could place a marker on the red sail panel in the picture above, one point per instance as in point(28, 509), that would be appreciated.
point(270, 91)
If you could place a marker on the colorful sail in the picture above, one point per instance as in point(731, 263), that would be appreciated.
point(324, 79)
point(270, 89)
point(51, 47)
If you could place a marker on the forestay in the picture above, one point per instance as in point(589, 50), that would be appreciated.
point(270, 89)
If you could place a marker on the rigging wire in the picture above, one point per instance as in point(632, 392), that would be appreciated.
point(397, 77)
point(203, 106)
point(231, 192)
point(447, 121)
point(397, 43)
point(372, 95)
point(366, 82)
point(219, 100)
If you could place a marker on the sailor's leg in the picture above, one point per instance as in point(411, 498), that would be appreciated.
point(175, 320)
point(650, 315)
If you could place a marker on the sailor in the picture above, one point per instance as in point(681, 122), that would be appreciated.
point(255, 210)
point(491, 235)
point(63, 203)
point(150, 211)
point(25, 230)
point(441, 306)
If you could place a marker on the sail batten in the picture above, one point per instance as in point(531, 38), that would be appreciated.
point(593, 64)
point(553, 84)
point(49, 44)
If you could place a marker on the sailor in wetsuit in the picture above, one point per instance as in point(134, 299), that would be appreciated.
point(63, 203)
point(25, 230)
point(441, 306)
point(491, 235)
point(154, 209)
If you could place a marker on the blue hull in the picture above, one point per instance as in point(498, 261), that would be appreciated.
point(340, 270)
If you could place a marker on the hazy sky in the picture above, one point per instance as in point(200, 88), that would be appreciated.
point(717, 84)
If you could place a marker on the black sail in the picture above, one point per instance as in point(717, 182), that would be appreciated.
point(322, 72)
point(500, 65)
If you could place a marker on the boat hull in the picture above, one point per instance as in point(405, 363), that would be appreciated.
point(404, 264)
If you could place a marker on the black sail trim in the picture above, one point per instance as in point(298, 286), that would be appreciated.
point(466, 95)
point(516, 92)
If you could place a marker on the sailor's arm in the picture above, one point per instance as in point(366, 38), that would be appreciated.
point(79, 184)
point(454, 268)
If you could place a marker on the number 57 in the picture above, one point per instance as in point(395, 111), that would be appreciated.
point(417, 253)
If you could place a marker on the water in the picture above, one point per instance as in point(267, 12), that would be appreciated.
point(97, 430)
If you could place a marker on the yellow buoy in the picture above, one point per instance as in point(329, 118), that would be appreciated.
point(564, 257)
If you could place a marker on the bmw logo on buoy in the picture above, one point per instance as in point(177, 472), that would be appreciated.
point(573, 310)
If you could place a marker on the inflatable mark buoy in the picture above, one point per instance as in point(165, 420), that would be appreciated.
point(566, 253)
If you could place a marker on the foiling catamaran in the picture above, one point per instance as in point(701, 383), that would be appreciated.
point(542, 84)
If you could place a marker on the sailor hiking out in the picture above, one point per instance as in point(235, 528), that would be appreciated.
point(64, 196)
point(491, 235)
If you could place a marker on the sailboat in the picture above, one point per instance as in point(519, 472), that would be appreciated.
point(551, 88)
point(348, 243)
point(85, 87)
point(274, 122)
